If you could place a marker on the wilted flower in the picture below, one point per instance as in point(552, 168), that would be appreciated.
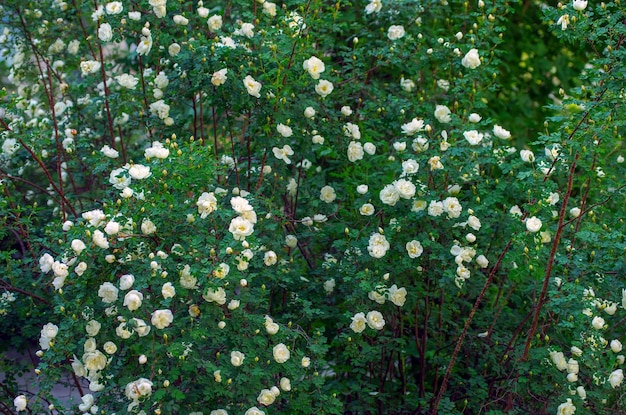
point(563, 21)
point(219, 77)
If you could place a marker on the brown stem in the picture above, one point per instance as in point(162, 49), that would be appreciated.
point(551, 258)
point(459, 343)
point(9, 287)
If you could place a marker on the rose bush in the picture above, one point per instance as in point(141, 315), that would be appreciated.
point(312, 207)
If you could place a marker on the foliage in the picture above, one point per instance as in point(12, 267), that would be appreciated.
point(315, 207)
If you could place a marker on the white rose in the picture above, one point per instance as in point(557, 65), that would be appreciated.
point(112, 228)
point(376, 296)
point(452, 207)
point(397, 295)
point(471, 59)
point(59, 269)
point(501, 132)
point(482, 261)
point(218, 296)
point(375, 320)
point(240, 228)
point(266, 397)
point(378, 245)
point(133, 300)
point(105, 33)
point(327, 194)
point(416, 125)
point(597, 323)
point(92, 328)
point(100, 240)
point(407, 84)
point(395, 32)
point(281, 353)
point(309, 112)
point(162, 318)
point(173, 49)
point(291, 241)
point(473, 117)
point(355, 151)
point(236, 358)
point(369, 148)
point(254, 411)
point(405, 188)
point(78, 246)
point(168, 290)
point(109, 347)
point(285, 384)
point(247, 30)
point(616, 377)
point(126, 281)
point(414, 249)
point(180, 20)
point(389, 195)
point(269, 8)
point(141, 327)
point(442, 113)
point(527, 156)
point(533, 224)
point(358, 322)
point(616, 346)
point(314, 66)
point(215, 23)
point(367, 209)
point(108, 292)
point(148, 227)
point(284, 130)
point(253, 87)
point(324, 88)
point(80, 268)
point(219, 78)
point(139, 171)
point(270, 258)
point(473, 137)
point(20, 403)
point(94, 360)
point(122, 332)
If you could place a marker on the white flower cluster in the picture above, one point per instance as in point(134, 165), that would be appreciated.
point(242, 225)
point(374, 320)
